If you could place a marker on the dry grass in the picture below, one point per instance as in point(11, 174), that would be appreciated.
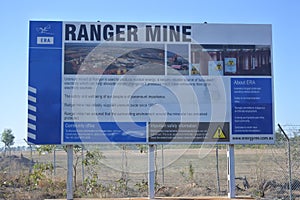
point(256, 164)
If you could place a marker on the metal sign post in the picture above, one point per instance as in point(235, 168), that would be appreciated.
point(151, 172)
point(231, 171)
point(70, 172)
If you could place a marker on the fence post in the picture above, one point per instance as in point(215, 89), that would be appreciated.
point(54, 161)
point(217, 169)
point(162, 165)
point(289, 161)
point(82, 163)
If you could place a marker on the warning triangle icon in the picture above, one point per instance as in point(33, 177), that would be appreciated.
point(219, 134)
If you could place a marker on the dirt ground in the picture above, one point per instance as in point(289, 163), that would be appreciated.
point(171, 198)
point(182, 174)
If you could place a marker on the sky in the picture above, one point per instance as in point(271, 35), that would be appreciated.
point(16, 14)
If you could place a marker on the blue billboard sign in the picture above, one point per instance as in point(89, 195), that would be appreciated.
point(146, 83)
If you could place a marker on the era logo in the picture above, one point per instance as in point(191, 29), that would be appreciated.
point(45, 40)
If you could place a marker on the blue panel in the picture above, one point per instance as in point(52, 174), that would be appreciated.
point(251, 106)
point(93, 132)
point(45, 76)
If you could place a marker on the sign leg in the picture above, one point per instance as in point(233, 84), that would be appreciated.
point(231, 171)
point(151, 172)
point(70, 172)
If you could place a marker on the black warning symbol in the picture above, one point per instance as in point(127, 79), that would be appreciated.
point(219, 134)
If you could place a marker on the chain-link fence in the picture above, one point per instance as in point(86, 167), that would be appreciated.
point(262, 171)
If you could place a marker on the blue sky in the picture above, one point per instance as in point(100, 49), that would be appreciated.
point(16, 14)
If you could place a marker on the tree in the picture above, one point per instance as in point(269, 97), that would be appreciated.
point(8, 139)
point(45, 148)
point(48, 149)
point(91, 161)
